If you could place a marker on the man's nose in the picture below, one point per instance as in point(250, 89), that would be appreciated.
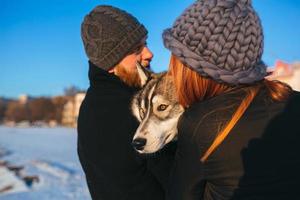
point(147, 54)
point(139, 143)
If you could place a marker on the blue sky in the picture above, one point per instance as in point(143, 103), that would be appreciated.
point(41, 51)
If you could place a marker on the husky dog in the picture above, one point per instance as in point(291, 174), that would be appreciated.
point(157, 109)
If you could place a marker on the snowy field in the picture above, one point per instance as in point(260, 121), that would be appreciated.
point(48, 153)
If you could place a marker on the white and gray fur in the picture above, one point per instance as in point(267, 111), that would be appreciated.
point(157, 108)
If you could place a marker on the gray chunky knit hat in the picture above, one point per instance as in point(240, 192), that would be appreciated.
point(109, 34)
point(220, 39)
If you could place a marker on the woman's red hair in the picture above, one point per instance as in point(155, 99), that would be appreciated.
point(192, 87)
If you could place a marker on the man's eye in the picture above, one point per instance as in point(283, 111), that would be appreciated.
point(162, 107)
point(138, 50)
point(142, 113)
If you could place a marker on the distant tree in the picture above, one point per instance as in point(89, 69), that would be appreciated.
point(72, 91)
point(3, 107)
point(16, 111)
point(41, 109)
point(59, 103)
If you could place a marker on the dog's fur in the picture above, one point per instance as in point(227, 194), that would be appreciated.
point(157, 108)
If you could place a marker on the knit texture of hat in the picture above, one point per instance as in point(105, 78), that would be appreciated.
point(109, 34)
point(220, 39)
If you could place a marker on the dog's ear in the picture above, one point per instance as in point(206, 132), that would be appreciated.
point(144, 73)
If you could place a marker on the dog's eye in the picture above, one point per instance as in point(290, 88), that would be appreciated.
point(162, 107)
point(142, 113)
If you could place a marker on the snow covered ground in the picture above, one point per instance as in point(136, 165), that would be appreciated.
point(49, 153)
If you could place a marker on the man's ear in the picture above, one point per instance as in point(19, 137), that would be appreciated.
point(144, 73)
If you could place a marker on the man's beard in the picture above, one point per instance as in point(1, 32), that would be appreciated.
point(130, 78)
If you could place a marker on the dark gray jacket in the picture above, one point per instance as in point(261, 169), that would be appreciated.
point(114, 170)
point(258, 160)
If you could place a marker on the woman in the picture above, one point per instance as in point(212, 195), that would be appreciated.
point(239, 137)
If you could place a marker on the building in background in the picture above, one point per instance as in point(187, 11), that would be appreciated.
point(23, 99)
point(287, 73)
point(71, 110)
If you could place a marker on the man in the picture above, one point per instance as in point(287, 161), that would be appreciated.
point(114, 42)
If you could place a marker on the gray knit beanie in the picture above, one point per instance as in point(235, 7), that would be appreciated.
point(220, 39)
point(109, 34)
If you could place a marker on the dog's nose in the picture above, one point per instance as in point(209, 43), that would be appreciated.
point(139, 143)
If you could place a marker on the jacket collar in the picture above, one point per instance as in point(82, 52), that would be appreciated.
point(98, 76)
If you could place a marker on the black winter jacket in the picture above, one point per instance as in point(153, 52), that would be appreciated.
point(258, 160)
point(114, 170)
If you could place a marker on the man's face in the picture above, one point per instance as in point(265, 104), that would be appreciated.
point(126, 69)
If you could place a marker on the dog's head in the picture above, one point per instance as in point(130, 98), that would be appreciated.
point(157, 108)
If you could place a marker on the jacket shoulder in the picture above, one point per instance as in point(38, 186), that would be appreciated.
point(203, 120)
